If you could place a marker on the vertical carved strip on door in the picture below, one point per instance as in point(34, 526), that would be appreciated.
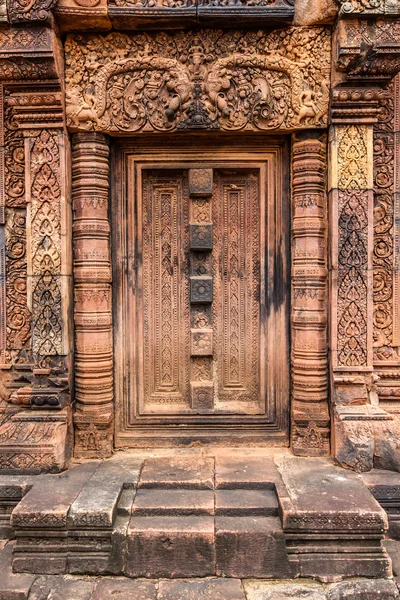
point(165, 291)
point(236, 311)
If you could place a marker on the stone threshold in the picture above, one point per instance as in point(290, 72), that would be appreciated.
point(191, 514)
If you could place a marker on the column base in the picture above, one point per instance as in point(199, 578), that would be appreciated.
point(35, 441)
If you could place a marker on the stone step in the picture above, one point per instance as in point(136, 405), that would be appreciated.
point(243, 503)
point(170, 547)
point(252, 473)
point(178, 473)
point(156, 502)
point(250, 547)
point(49, 501)
point(96, 504)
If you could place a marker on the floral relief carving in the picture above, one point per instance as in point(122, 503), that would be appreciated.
point(208, 80)
point(383, 255)
point(18, 315)
point(46, 245)
point(353, 200)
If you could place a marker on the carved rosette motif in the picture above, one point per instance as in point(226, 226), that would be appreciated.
point(92, 273)
point(209, 80)
point(310, 414)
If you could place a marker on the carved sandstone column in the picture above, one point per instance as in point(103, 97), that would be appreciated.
point(310, 413)
point(92, 272)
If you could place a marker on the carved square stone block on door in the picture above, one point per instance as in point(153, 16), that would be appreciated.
point(201, 289)
point(200, 182)
point(201, 236)
point(201, 342)
point(202, 394)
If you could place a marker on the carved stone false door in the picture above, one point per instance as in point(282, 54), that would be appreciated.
point(200, 284)
point(195, 309)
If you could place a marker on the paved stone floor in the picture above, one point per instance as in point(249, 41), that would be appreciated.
point(198, 523)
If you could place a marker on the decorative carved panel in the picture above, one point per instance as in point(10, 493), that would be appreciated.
point(205, 80)
point(193, 329)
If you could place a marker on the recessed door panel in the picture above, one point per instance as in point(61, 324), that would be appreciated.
point(201, 334)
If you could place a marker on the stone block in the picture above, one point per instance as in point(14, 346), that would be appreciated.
point(246, 503)
point(45, 564)
point(387, 444)
point(96, 504)
point(36, 441)
point(118, 588)
point(250, 547)
point(62, 588)
point(200, 182)
point(12, 586)
point(284, 590)
point(323, 497)
point(12, 490)
point(174, 472)
point(249, 473)
point(368, 589)
point(118, 545)
point(170, 547)
point(47, 504)
point(385, 487)
point(153, 502)
point(315, 12)
point(201, 289)
point(202, 395)
point(226, 589)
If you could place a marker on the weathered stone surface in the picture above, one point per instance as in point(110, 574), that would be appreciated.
point(364, 590)
point(48, 502)
point(153, 502)
point(12, 586)
point(224, 589)
point(184, 473)
point(324, 497)
point(96, 505)
point(250, 547)
point(387, 445)
point(170, 547)
point(333, 525)
point(124, 589)
point(12, 489)
point(234, 473)
point(385, 487)
point(246, 502)
point(315, 12)
point(62, 588)
point(393, 549)
point(283, 590)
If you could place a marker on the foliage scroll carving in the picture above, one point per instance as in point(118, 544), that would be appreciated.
point(208, 80)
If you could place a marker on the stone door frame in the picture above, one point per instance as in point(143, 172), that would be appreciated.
point(94, 361)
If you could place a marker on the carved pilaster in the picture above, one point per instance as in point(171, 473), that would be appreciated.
point(92, 273)
point(36, 353)
point(354, 396)
point(310, 414)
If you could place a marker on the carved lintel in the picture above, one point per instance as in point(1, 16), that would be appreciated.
point(368, 8)
point(144, 84)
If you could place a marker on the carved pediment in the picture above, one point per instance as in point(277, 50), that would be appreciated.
point(205, 80)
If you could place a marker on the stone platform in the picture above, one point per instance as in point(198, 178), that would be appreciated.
point(195, 514)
